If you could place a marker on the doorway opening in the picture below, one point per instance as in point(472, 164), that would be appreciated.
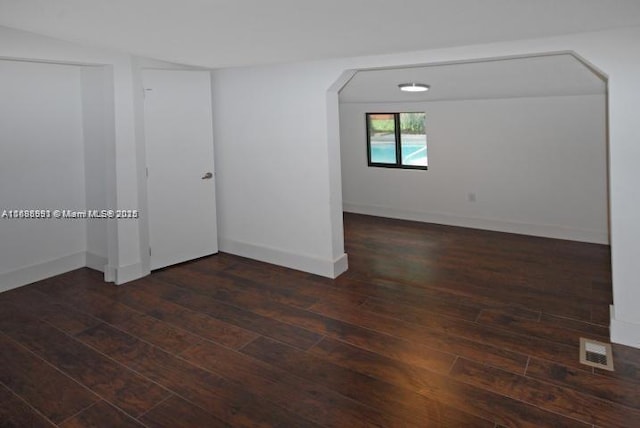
point(515, 145)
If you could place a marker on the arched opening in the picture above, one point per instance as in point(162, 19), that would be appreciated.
point(515, 145)
point(530, 131)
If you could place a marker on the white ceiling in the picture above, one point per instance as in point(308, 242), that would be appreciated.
point(220, 33)
point(522, 77)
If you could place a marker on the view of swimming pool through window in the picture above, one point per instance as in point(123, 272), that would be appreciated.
point(383, 139)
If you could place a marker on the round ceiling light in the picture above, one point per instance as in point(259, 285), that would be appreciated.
point(413, 87)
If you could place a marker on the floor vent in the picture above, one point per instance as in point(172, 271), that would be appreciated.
point(596, 354)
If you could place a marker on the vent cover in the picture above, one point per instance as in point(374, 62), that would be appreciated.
point(596, 354)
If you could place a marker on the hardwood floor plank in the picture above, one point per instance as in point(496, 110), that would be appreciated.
point(16, 413)
point(583, 407)
point(431, 326)
point(467, 399)
point(587, 328)
point(295, 335)
point(502, 338)
point(498, 290)
point(480, 265)
point(151, 329)
point(625, 353)
point(343, 289)
point(309, 399)
point(394, 291)
point(51, 310)
point(101, 414)
point(446, 288)
point(230, 289)
point(322, 326)
point(624, 369)
point(279, 280)
point(118, 306)
point(549, 328)
point(401, 403)
point(616, 390)
point(601, 314)
point(601, 291)
point(124, 388)
point(238, 318)
point(211, 392)
point(412, 314)
point(57, 307)
point(369, 363)
point(161, 334)
point(418, 340)
point(46, 389)
point(177, 412)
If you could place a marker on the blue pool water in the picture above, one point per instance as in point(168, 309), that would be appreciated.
point(412, 154)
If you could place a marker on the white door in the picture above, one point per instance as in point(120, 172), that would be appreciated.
point(181, 179)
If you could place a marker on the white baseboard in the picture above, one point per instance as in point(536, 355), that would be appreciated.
point(40, 271)
point(96, 262)
point(322, 267)
point(109, 273)
point(340, 265)
point(128, 273)
point(624, 333)
point(544, 230)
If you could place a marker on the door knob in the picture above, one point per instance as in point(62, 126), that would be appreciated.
point(207, 176)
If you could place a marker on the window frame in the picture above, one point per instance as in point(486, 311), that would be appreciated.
point(398, 142)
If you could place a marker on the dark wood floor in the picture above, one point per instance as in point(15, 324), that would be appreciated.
point(432, 326)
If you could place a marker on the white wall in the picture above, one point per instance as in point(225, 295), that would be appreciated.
point(97, 108)
point(272, 163)
point(124, 238)
point(41, 166)
point(536, 166)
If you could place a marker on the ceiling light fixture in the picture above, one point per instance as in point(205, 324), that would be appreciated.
point(413, 87)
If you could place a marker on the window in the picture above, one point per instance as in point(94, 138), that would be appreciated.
point(397, 140)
